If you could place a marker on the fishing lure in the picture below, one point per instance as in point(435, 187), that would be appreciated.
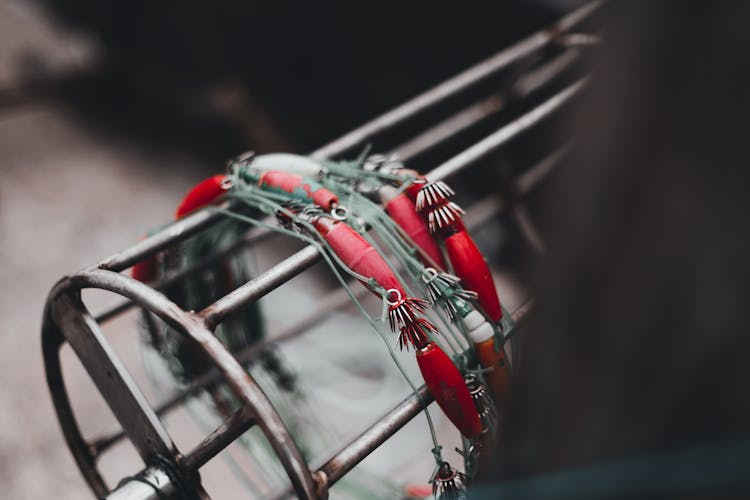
point(433, 200)
point(444, 289)
point(444, 220)
point(440, 374)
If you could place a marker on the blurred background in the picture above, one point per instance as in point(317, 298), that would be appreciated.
point(110, 111)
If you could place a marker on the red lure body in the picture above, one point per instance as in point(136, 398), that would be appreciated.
point(442, 377)
point(403, 212)
point(444, 217)
point(447, 386)
point(357, 253)
point(145, 270)
point(469, 265)
point(290, 183)
point(200, 195)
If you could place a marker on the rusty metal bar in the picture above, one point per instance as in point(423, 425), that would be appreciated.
point(386, 426)
point(232, 428)
point(253, 236)
point(459, 83)
point(525, 85)
point(493, 142)
point(190, 325)
point(360, 447)
point(256, 288)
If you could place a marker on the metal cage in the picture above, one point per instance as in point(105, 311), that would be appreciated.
point(533, 76)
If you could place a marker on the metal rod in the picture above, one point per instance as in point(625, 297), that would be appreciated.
point(526, 84)
point(531, 177)
point(493, 142)
point(334, 301)
point(258, 287)
point(455, 85)
point(520, 187)
point(536, 79)
point(175, 232)
point(232, 428)
point(450, 127)
point(364, 444)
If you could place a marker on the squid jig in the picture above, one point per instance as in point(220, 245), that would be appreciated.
point(433, 200)
point(293, 174)
point(444, 381)
point(444, 289)
point(444, 219)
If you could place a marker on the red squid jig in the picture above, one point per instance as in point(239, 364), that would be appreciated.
point(403, 212)
point(362, 258)
point(444, 219)
point(444, 381)
point(200, 195)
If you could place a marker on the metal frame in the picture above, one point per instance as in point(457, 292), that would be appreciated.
point(172, 474)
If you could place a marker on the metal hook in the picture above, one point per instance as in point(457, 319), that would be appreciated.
point(339, 213)
point(390, 292)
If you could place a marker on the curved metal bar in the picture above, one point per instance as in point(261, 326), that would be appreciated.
point(52, 341)
point(190, 325)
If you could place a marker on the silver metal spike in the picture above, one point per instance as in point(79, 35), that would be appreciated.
point(433, 193)
point(449, 484)
point(485, 407)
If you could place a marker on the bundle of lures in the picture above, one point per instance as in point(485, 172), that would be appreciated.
point(396, 232)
